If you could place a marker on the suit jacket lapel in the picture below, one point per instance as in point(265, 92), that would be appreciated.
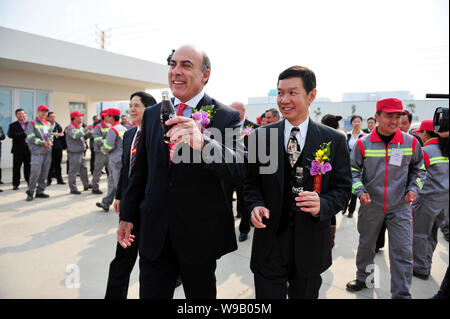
point(312, 144)
point(128, 145)
point(281, 153)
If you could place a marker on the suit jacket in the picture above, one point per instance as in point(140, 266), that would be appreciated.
point(184, 201)
point(59, 142)
point(124, 171)
point(312, 241)
point(18, 135)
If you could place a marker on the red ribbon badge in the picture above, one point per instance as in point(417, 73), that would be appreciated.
point(317, 183)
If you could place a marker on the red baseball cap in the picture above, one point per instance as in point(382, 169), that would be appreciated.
point(103, 113)
point(75, 114)
point(390, 105)
point(43, 108)
point(112, 111)
point(426, 125)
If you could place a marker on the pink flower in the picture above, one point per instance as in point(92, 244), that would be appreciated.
point(325, 168)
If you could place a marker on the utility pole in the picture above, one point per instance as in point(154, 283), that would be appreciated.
point(102, 36)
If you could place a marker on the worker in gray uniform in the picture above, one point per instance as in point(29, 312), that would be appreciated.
point(76, 136)
point(101, 160)
point(388, 173)
point(431, 207)
point(40, 142)
point(113, 148)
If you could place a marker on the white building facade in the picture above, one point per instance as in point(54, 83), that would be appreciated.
point(36, 70)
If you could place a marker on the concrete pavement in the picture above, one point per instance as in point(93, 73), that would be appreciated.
point(61, 248)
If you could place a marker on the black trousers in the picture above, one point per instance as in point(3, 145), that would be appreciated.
point(351, 205)
point(121, 267)
point(241, 207)
point(55, 167)
point(381, 236)
point(279, 277)
point(18, 160)
point(157, 278)
point(92, 161)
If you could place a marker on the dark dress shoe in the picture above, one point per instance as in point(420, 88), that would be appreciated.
point(356, 285)
point(106, 209)
point(1, 182)
point(243, 237)
point(350, 215)
point(15, 188)
point(97, 191)
point(421, 276)
point(49, 183)
point(75, 192)
point(29, 197)
point(61, 183)
point(43, 195)
point(1, 190)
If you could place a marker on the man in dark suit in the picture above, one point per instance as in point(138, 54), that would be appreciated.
point(292, 243)
point(123, 263)
point(20, 151)
point(59, 144)
point(185, 223)
point(246, 127)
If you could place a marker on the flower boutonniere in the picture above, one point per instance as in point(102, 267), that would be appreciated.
point(320, 165)
point(203, 117)
point(247, 130)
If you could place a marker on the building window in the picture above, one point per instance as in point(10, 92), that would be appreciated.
point(77, 106)
point(26, 102)
point(5, 108)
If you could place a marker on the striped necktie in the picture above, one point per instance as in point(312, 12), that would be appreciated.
point(134, 149)
point(293, 148)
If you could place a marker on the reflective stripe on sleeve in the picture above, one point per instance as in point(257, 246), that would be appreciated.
point(355, 186)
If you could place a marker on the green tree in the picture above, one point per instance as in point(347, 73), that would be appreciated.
point(411, 107)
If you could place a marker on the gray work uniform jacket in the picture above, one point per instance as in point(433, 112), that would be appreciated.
point(386, 183)
point(114, 143)
point(37, 133)
point(100, 132)
point(75, 138)
point(436, 187)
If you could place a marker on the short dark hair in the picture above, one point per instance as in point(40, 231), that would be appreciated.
point(124, 116)
point(355, 117)
point(146, 99)
point(371, 118)
point(19, 110)
point(117, 118)
point(308, 77)
point(274, 112)
point(50, 113)
point(263, 115)
point(407, 114)
point(331, 120)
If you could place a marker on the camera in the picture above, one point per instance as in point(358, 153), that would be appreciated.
point(440, 119)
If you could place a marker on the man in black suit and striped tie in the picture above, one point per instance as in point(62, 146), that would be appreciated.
point(122, 265)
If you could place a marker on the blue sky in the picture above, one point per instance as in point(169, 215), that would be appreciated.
point(352, 46)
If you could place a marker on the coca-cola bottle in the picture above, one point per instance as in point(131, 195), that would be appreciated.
point(167, 112)
point(297, 187)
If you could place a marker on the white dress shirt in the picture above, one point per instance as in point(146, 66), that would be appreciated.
point(131, 148)
point(301, 134)
point(191, 104)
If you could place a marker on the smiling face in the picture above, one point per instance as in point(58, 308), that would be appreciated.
point(293, 101)
point(387, 122)
point(136, 109)
point(404, 123)
point(186, 77)
point(371, 124)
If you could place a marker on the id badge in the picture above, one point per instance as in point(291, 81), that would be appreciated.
point(396, 157)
